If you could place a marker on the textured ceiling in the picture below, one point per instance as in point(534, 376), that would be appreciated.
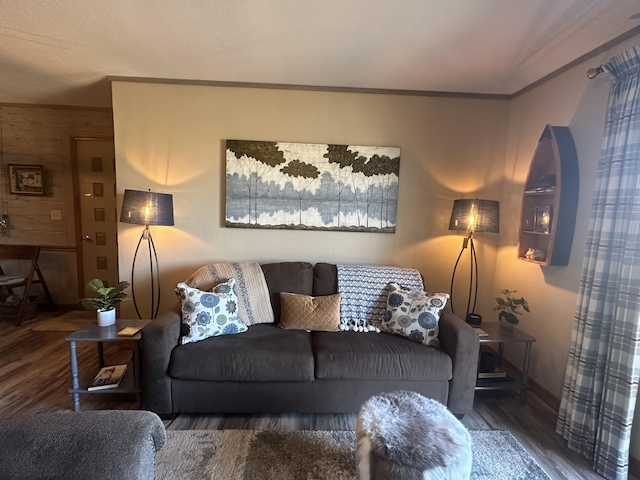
point(60, 52)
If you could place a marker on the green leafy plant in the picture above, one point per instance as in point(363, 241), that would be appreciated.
point(510, 306)
point(107, 298)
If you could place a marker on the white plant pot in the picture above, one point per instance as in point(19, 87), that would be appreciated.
point(106, 318)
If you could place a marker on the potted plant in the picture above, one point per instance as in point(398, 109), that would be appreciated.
point(509, 307)
point(106, 300)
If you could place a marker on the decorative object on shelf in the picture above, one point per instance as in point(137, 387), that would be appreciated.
point(472, 216)
point(535, 254)
point(311, 186)
point(509, 307)
point(488, 368)
point(543, 219)
point(550, 200)
point(545, 184)
point(26, 179)
point(488, 362)
point(106, 300)
point(147, 208)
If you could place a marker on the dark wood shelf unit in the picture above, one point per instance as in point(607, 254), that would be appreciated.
point(498, 337)
point(550, 199)
point(99, 335)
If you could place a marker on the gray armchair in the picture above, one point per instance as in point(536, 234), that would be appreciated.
point(99, 445)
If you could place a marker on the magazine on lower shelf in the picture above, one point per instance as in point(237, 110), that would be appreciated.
point(108, 377)
point(497, 373)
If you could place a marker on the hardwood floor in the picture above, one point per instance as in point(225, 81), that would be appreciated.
point(35, 377)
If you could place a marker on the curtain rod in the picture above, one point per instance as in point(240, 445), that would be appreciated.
point(594, 72)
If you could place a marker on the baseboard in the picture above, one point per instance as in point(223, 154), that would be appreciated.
point(634, 466)
point(545, 395)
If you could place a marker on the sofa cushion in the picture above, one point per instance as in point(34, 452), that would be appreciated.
point(208, 314)
point(253, 294)
point(303, 312)
point(325, 279)
point(292, 277)
point(380, 356)
point(414, 314)
point(264, 353)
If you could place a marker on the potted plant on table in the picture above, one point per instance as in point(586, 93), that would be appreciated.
point(106, 300)
point(509, 306)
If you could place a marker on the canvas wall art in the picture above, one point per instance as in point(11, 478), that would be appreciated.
point(311, 186)
point(26, 179)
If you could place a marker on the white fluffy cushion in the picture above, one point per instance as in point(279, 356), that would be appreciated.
point(406, 435)
point(208, 314)
point(414, 314)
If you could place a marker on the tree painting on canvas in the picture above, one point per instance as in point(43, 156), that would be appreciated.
point(311, 186)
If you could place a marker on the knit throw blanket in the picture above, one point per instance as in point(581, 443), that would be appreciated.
point(364, 290)
point(254, 305)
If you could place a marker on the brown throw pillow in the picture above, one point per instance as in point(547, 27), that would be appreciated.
point(302, 312)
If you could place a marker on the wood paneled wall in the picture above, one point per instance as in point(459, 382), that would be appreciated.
point(41, 135)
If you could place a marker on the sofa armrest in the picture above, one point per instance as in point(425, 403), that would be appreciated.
point(460, 341)
point(99, 445)
point(159, 338)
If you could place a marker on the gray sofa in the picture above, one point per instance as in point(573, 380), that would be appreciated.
point(100, 445)
point(271, 370)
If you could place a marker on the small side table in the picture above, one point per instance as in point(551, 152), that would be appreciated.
point(502, 336)
point(94, 333)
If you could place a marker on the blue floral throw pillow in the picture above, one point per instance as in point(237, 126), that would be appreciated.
point(209, 314)
point(414, 314)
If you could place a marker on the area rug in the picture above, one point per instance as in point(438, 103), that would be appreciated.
point(313, 455)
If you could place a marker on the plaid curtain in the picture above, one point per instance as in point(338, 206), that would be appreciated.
point(601, 380)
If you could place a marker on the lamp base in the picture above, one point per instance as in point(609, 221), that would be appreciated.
point(154, 275)
point(474, 319)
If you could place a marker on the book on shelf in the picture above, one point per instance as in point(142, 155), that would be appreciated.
point(497, 373)
point(108, 377)
point(480, 332)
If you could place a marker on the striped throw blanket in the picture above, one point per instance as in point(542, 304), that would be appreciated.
point(364, 290)
point(254, 305)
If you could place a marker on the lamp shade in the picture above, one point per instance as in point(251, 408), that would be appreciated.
point(147, 208)
point(473, 215)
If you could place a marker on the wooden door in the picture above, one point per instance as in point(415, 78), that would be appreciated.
point(96, 205)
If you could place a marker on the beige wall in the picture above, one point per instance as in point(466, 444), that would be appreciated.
point(171, 138)
point(32, 134)
point(569, 99)
point(573, 100)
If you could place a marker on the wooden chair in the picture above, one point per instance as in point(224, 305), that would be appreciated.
point(34, 275)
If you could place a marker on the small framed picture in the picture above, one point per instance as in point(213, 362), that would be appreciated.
point(26, 179)
point(543, 219)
